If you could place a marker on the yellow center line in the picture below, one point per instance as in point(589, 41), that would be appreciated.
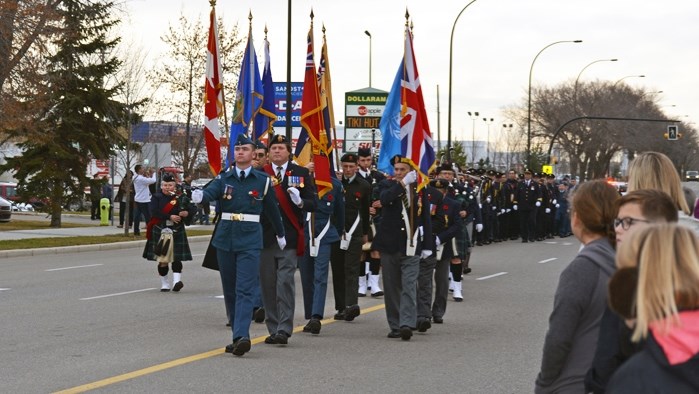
point(180, 361)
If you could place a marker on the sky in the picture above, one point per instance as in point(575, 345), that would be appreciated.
point(494, 44)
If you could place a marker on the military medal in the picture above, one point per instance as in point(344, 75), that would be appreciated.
point(227, 194)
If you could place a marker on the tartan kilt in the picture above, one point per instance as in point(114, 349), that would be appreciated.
point(180, 251)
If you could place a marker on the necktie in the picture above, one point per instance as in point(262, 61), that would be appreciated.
point(242, 175)
point(279, 173)
point(406, 201)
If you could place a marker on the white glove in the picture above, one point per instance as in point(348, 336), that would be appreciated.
point(548, 210)
point(495, 208)
point(514, 207)
point(410, 177)
point(509, 210)
point(538, 203)
point(425, 254)
point(295, 195)
point(558, 205)
point(554, 201)
point(487, 199)
point(282, 242)
point(502, 211)
point(479, 227)
point(480, 206)
point(197, 196)
point(437, 241)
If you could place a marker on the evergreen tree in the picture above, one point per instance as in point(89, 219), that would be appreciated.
point(80, 116)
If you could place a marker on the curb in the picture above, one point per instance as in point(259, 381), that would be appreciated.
point(85, 248)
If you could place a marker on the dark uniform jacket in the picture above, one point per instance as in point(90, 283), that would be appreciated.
point(527, 196)
point(247, 196)
point(391, 233)
point(161, 208)
point(309, 195)
point(446, 222)
point(357, 200)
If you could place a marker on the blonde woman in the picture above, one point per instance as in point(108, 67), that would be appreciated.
point(654, 170)
point(662, 261)
point(581, 295)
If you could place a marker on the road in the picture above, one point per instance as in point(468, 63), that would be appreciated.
point(75, 319)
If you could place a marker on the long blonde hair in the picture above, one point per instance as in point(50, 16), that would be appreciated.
point(667, 256)
point(654, 170)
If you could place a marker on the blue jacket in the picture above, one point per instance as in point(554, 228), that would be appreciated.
point(254, 195)
point(330, 207)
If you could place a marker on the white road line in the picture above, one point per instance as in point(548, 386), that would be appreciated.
point(70, 268)
point(491, 276)
point(547, 260)
point(197, 255)
point(4, 289)
point(117, 294)
point(551, 242)
point(567, 243)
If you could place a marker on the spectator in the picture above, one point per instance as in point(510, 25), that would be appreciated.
point(108, 193)
point(141, 182)
point(581, 295)
point(657, 290)
point(95, 193)
point(123, 198)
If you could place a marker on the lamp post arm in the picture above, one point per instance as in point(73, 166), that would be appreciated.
point(560, 128)
point(451, 61)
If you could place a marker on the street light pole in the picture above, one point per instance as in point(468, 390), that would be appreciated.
point(487, 143)
point(473, 140)
point(369, 34)
point(529, 99)
point(575, 89)
point(507, 136)
point(628, 76)
point(451, 57)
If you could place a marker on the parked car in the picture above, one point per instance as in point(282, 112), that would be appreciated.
point(691, 176)
point(5, 210)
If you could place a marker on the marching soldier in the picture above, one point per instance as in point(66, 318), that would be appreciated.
point(322, 231)
point(296, 194)
point(165, 232)
point(403, 237)
point(500, 203)
point(512, 217)
point(371, 256)
point(527, 200)
point(243, 194)
point(550, 219)
point(345, 259)
point(446, 224)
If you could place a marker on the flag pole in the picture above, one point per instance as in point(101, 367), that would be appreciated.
point(252, 71)
point(312, 229)
point(413, 195)
point(220, 77)
point(331, 111)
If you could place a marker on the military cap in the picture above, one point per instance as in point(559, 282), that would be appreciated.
point(243, 140)
point(363, 152)
point(551, 176)
point(491, 172)
point(400, 159)
point(527, 171)
point(279, 139)
point(439, 184)
point(446, 166)
point(521, 176)
point(167, 177)
point(536, 175)
point(260, 145)
point(349, 157)
point(481, 171)
point(499, 174)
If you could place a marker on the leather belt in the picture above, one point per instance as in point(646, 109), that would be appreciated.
point(240, 217)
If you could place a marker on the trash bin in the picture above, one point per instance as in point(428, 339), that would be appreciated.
point(104, 212)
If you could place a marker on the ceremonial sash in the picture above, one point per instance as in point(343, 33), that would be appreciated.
point(153, 221)
point(283, 199)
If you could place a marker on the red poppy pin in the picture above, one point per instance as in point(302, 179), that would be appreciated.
point(288, 173)
point(254, 193)
point(330, 197)
point(358, 194)
point(445, 207)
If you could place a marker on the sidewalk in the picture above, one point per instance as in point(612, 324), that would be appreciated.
point(93, 229)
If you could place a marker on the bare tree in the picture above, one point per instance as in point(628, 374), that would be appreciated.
point(181, 73)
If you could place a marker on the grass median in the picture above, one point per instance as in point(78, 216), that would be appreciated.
point(34, 243)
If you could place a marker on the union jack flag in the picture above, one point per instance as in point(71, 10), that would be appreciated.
point(414, 138)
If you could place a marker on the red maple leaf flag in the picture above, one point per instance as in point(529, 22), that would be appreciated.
point(213, 98)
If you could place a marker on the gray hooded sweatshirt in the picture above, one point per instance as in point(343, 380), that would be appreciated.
point(578, 306)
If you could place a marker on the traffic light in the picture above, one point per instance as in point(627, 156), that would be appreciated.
point(672, 133)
